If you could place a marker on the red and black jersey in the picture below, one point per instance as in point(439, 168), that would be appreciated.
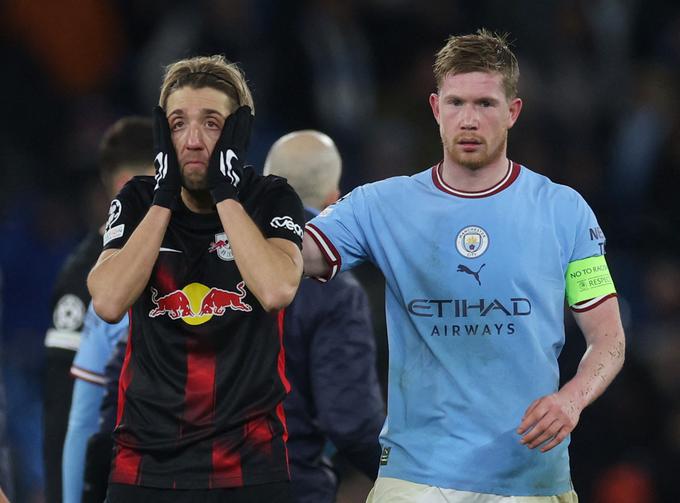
point(203, 378)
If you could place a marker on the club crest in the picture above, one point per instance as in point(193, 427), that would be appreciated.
point(472, 241)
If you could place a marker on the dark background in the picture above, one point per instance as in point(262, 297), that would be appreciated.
point(600, 82)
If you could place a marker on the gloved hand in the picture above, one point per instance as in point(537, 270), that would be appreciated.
point(168, 178)
point(225, 169)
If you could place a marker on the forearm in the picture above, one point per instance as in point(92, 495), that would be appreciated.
point(600, 364)
point(270, 273)
point(118, 279)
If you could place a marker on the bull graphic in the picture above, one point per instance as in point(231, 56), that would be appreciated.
point(217, 301)
point(467, 270)
point(175, 304)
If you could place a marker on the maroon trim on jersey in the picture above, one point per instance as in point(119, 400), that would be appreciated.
point(587, 305)
point(329, 252)
point(280, 413)
point(226, 465)
point(510, 176)
point(259, 432)
point(199, 390)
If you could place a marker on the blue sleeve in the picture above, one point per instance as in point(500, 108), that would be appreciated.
point(340, 231)
point(96, 346)
point(344, 377)
point(588, 238)
point(82, 423)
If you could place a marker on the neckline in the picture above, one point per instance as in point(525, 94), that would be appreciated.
point(510, 176)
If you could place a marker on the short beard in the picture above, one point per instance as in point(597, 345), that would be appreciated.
point(194, 183)
point(474, 161)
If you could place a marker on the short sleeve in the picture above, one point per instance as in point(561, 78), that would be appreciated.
point(339, 231)
point(125, 212)
point(589, 239)
point(284, 215)
point(96, 345)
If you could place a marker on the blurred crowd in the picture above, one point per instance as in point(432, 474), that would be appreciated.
point(600, 81)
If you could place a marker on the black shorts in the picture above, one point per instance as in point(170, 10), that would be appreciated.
point(275, 492)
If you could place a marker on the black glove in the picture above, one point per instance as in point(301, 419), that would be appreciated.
point(225, 170)
point(168, 179)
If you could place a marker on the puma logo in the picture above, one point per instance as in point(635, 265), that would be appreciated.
point(467, 270)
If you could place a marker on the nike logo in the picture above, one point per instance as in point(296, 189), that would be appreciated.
point(172, 250)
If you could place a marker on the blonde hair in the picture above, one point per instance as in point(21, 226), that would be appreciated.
point(482, 51)
point(207, 71)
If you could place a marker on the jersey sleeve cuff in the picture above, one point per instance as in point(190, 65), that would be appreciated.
point(87, 375)
point(329, 252)
point(587, 305)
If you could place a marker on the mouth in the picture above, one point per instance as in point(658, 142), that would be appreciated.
point(469, 144)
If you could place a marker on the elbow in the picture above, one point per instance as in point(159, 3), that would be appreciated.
point(276, 299)
point(107, 310)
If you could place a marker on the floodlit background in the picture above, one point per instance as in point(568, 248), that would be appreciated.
point(600, 81)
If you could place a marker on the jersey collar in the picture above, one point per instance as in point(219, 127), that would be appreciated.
point(507, 180)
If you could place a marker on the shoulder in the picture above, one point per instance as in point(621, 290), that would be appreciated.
point(138, 188)
point(557, 193)
point(258, 186)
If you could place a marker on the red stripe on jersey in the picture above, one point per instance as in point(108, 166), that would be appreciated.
point(125, 373)
point(260, 434)
point(282, 417)
point(199, 390)
point(282, 353)
point(126, 464)
point(226, 465)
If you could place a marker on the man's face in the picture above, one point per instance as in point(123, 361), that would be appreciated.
point(196, 118)
point(474, 116)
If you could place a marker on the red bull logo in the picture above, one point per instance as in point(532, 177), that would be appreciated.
point(221, 246)
point(196, 303)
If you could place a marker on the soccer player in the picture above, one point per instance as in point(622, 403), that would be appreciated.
point(124, 151)
point(478, 252)
point(329, 342)
point(204, 256)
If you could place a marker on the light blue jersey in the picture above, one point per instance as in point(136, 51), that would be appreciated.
point(475, 289)
point(97, 343)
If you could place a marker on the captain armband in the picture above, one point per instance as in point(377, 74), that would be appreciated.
point(587, 279)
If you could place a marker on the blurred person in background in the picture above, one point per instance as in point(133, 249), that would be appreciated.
point(478, 253)
point(204, 256)
point(124, 151)
point(330, 346)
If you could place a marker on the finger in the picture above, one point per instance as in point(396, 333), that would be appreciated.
point(561, 435)
point(532, 416)
point(538, 429)
point(547, 434)
point(161, 130)
point(242, 128)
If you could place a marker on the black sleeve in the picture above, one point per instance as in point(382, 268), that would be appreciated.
point(126, 211)
point(283, 215)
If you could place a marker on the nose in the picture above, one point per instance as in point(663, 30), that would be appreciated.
point(469, 119)
point(194, 137)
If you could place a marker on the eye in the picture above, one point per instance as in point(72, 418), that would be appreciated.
point(212, 124)
point(456, 102)
point(485, 103)
point(176, 125)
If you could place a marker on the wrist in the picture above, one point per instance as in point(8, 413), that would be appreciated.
point(223, 191)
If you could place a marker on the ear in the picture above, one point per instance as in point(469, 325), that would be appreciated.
point(434, 105)
point(515, 107)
